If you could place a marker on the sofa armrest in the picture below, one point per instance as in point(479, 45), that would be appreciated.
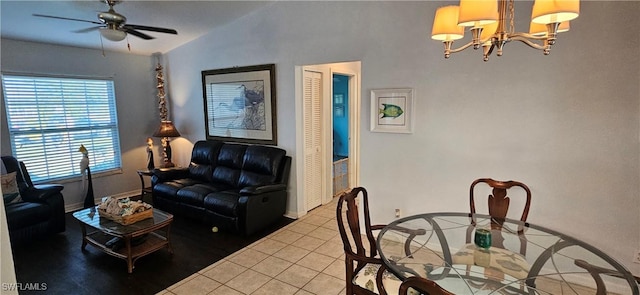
point(42, 192)
point(256, 190)
point(166, 174)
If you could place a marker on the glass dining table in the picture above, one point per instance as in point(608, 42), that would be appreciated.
point(476, 254)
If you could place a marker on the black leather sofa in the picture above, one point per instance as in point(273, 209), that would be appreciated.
point(40, 214)
point(235, 187)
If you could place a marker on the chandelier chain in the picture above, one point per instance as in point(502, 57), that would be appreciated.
point(512, 16)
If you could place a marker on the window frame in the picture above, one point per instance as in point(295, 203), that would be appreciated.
point(56, 114)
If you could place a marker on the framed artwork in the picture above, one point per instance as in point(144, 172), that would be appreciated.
point(240, 104)
point(338, 104)
point(392, 110)
point(338, 111)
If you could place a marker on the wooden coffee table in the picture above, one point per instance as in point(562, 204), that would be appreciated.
point(147, 232)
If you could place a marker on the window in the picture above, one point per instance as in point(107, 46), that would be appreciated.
point(49, 118)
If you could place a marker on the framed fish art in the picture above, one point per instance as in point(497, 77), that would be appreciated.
point(240, 104)
point(392, 110)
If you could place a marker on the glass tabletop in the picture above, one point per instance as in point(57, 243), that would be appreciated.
point(91, 218)
point(477, 254)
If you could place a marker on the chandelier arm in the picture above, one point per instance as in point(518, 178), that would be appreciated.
point(529, 42)
point(528, 36)
point(463, 47)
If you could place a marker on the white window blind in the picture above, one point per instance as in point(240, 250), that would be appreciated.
point(49, 118)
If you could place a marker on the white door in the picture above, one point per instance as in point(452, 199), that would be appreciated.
point(312, 118)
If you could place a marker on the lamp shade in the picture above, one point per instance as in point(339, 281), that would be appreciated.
point(445, 24)
point(113, 34)
point(488, 30)
point(167, 129)
point(541, 29)
point(477, 12)
point(554, 11)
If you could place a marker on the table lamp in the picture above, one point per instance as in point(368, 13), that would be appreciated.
point(166, 130)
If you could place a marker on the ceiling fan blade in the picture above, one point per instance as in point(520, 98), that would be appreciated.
point(88, 29)
point(66, 18)
point(137, 34)
point(154, 29)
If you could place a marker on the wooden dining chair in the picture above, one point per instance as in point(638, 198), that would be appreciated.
point(596, 272)
point(498, 205)
point(365, 271)
point(420, 285)
point(498, 201)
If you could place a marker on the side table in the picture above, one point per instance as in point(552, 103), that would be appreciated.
point(145, 189)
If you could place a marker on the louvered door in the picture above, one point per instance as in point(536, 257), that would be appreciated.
point(313, 176)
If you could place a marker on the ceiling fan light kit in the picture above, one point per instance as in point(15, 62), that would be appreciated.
point(112, 35)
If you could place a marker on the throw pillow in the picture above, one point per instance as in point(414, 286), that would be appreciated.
point(10, 192)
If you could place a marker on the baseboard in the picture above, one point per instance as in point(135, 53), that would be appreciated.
point(78, 206)
point(292, 215)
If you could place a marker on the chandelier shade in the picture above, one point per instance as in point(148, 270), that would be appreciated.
point(477, 12)
point(488, 31)
point(554, 11)
point(445, 24)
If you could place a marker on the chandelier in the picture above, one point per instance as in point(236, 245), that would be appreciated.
point(491, 27)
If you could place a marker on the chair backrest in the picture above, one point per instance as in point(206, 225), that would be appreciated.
point(498, 201)
point(353, 244)
point(422, 285)
point(350, 232)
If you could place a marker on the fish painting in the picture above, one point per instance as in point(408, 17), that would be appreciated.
point(391, 111)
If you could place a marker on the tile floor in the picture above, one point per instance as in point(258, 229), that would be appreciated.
point(304, 257)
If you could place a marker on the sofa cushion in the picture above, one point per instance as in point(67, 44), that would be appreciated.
point(224, 202)
point(260, 166)
point(194, 194)
point(203, 157)
point(226, 176)
point(205, 152)
point(200, 172)
point(170, 189)
point(263, 159)
point(228, 165)
point(231, 155)
point(25, 214)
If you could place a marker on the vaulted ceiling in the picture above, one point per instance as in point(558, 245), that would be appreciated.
point(191, 19)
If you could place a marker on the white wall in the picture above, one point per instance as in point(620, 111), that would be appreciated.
point(136, 101)
point(565, 124)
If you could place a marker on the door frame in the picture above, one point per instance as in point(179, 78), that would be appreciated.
point(352, 70)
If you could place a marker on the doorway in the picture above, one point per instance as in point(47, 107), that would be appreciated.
point(340, 170)
point(316, 108)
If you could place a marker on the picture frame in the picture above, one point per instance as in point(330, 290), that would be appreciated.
point(392, 110)
point(240, 104)
point(338, 110)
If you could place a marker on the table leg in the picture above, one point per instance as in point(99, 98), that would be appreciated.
point(84, 236)
point(169, 239)
point(127, 241)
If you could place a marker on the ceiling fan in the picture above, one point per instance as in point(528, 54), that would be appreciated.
point(113, 26)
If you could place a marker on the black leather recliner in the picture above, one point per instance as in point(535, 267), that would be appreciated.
point(40, 214)
point(235, 187)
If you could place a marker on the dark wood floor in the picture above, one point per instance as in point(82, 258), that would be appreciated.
point(59, 262)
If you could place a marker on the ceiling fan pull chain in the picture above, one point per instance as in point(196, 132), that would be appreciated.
point(102, 47)
point(128, 45)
